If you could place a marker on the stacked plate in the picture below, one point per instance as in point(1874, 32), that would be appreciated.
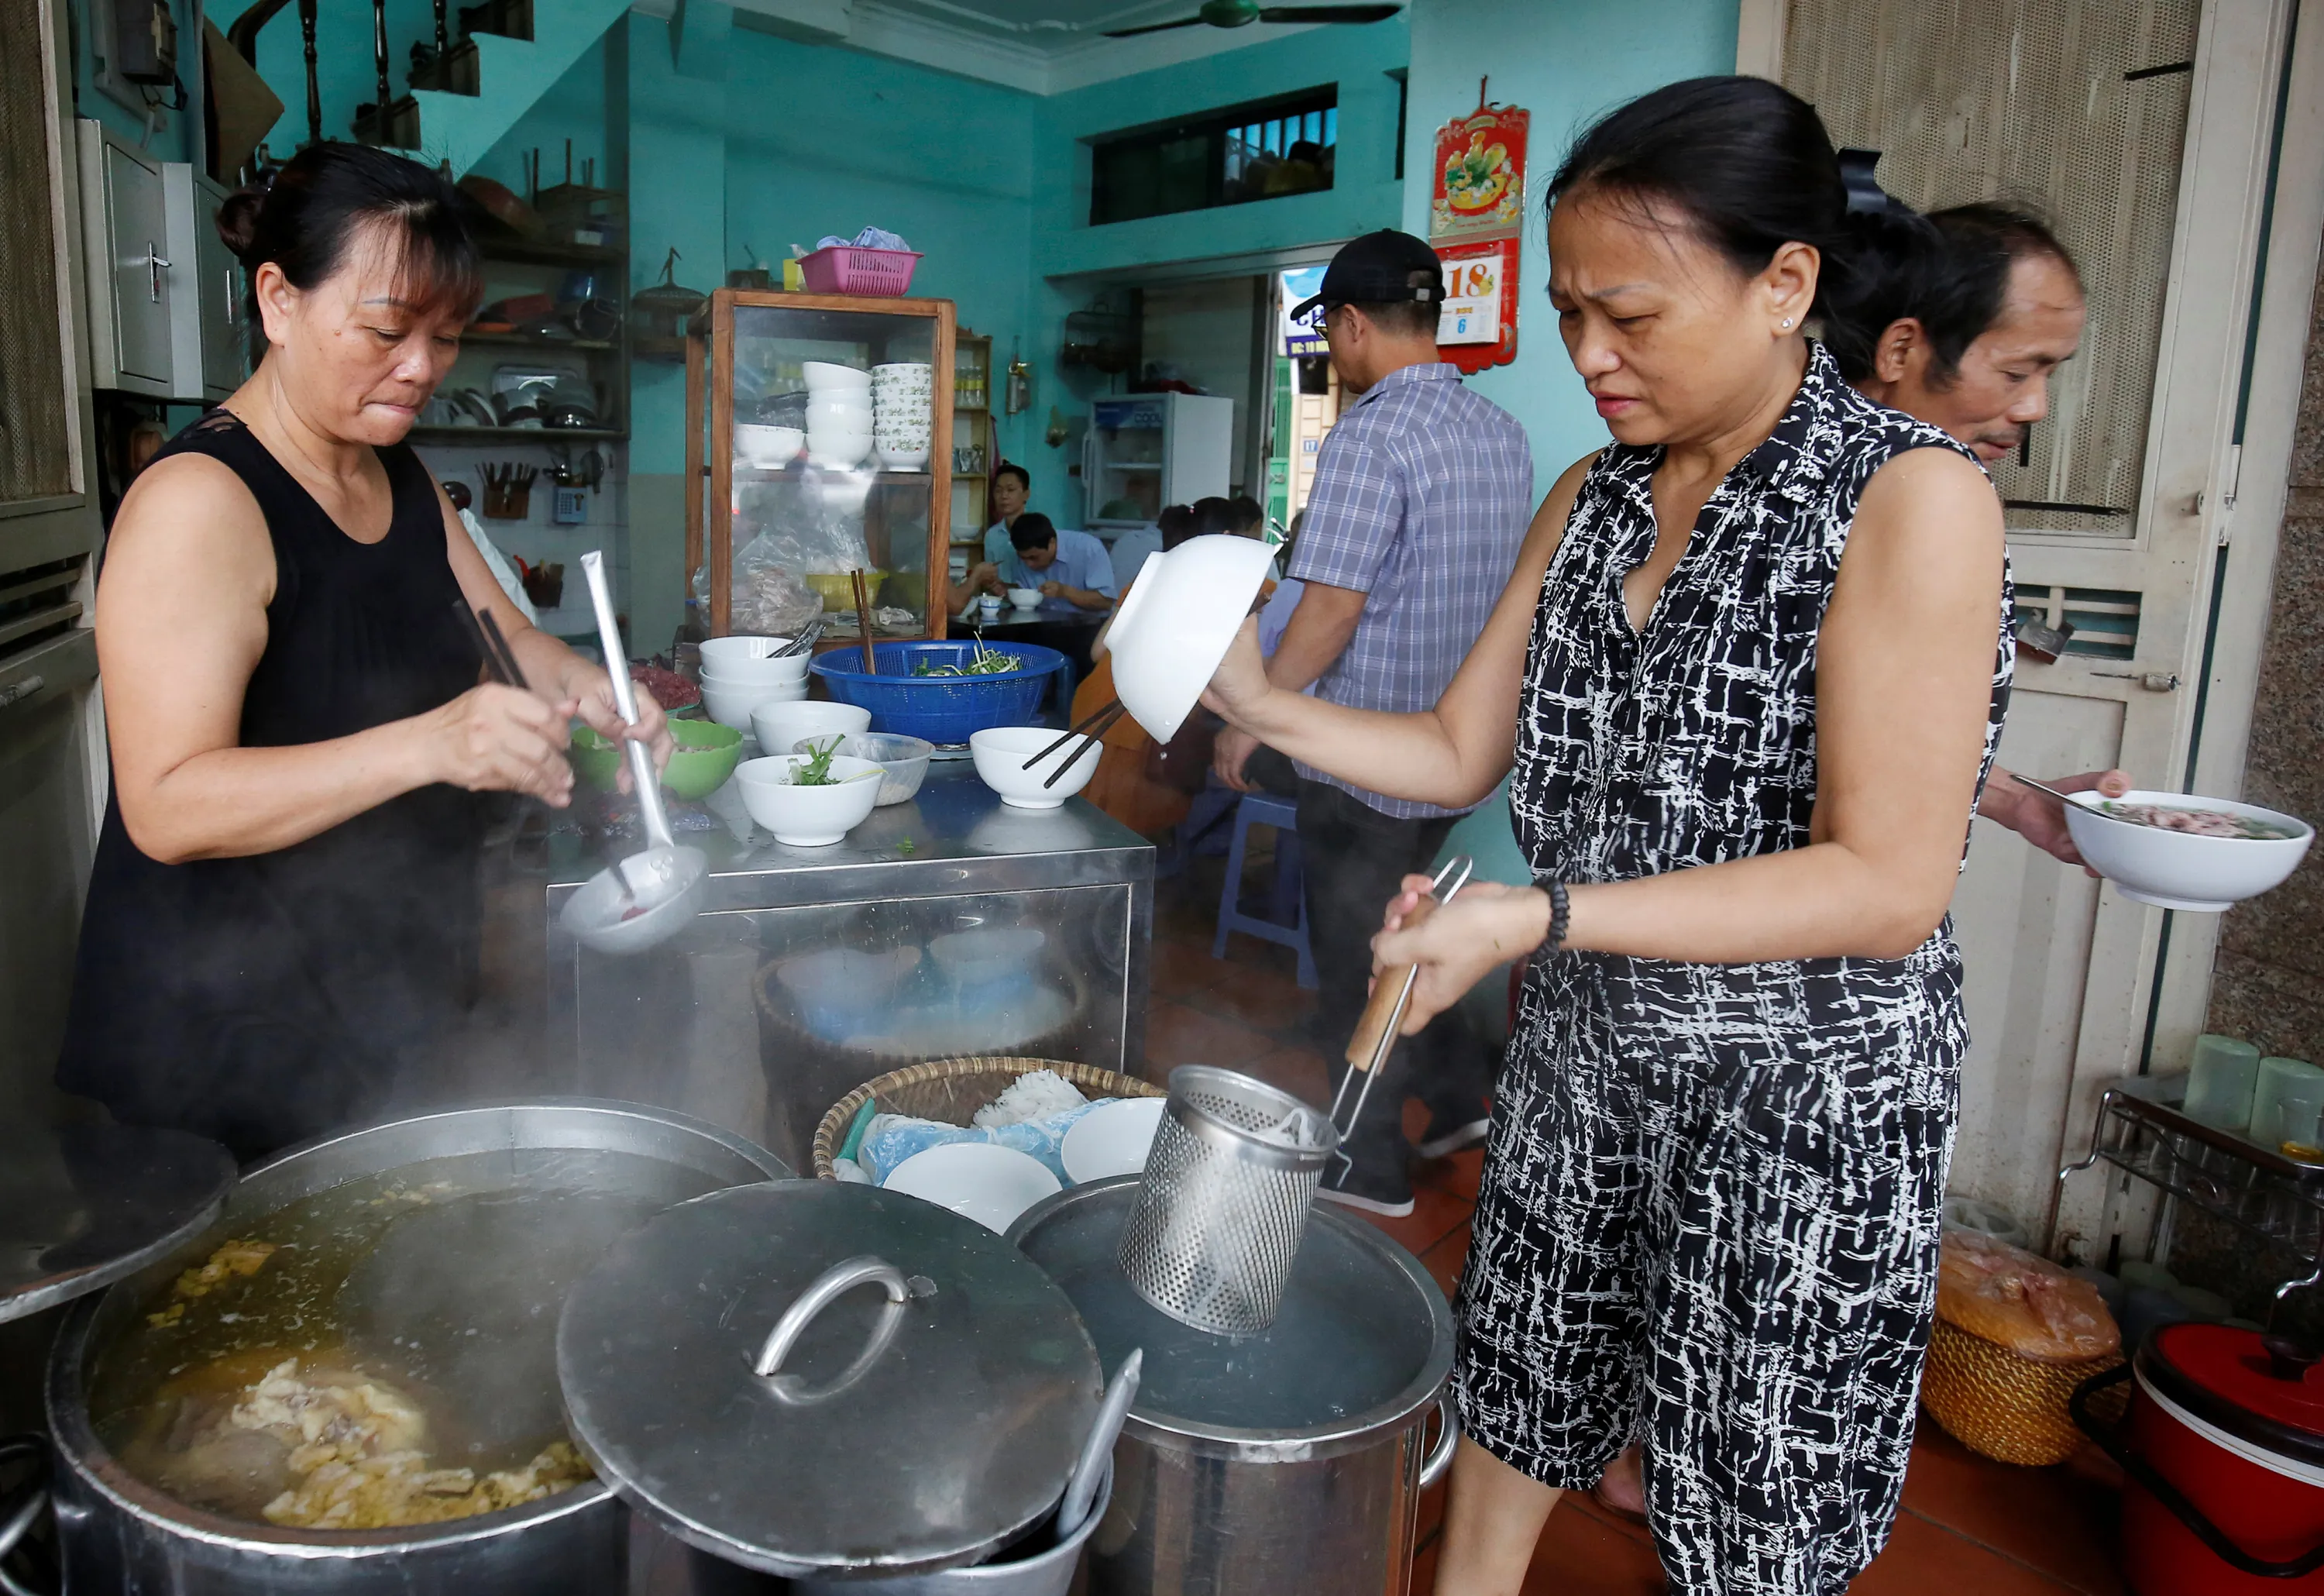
point(838, 414)
point(902, 396)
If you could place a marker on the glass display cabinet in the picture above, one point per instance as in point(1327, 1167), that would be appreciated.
point(819, 439)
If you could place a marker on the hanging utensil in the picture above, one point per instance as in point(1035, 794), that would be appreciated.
point(1383, 1016)
point(1081, 1490)
point(650, 896)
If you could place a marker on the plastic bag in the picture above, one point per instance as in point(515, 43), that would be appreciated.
point(870, 238)
point(2021, 1302)
point(770, 598)
point(890, 1139)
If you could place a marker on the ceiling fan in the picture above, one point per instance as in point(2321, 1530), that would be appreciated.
point(1241, 13)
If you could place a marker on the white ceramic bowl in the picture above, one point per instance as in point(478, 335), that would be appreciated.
point(894, 369)
point(904, 459)
point(838, 450)
point(740, 661)
point(780, 726)
point(838, 410)
point(1024, 599)
point(769, 448)
point(732, 706)
point(1000, 752)
point(1112, 1138)
point(978, 1180)
point(807, 816)
point(905, 759)
point(2178, 870)
point(1175, 622)
point(824, 376)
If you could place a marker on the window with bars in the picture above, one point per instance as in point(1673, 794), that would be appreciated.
point(1261, 151)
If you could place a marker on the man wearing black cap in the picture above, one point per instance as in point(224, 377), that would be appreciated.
point(1423, 492)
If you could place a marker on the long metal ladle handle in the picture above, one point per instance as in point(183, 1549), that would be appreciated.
point(1392, 992)
point(642, 774)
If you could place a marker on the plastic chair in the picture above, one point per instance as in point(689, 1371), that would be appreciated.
point(1288, 926)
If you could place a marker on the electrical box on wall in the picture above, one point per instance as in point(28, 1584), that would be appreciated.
point(144, 42)
point(165, 295)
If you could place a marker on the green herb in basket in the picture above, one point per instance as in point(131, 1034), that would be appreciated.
point(984, 662)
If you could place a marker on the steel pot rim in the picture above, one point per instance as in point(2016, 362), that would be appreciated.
point(96, 1467)
point(1353, 1432)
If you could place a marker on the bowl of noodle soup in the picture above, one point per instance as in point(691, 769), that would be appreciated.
point(2178, 851)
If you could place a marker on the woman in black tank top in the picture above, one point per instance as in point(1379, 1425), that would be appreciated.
point(284, 904)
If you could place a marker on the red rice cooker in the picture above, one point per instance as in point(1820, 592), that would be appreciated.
point(2224, 1450)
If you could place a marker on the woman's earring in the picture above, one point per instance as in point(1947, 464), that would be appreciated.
point(1787, 324)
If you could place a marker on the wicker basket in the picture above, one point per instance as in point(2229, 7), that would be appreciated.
point(2007, 1407)
point(951, 1090)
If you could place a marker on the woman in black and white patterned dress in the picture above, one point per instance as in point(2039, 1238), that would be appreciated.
point(1749, 673)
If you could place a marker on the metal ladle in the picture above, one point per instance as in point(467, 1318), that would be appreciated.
point(648, 897)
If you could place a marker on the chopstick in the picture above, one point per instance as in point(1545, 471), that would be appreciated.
point(499, 663)
point(1093, 728)
point(508, 655)
point(864, 622)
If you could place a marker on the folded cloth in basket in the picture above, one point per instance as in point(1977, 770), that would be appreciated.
point(870, 238)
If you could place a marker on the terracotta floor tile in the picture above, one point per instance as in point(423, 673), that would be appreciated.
point(1177, 1034)
point(1444, 1260)
point(2046, 1518)
point(1925, 1559)
point(1582, 1502)
point(1434, 1215)
point(1252, 992)
point(1180, 967)
point(1582, 1556)
point(1298, 1070)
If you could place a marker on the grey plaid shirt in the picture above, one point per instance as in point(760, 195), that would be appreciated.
point(1423, 493)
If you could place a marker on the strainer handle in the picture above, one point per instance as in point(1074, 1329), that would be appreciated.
point(1392, 988)
point(1448, 1441)
point(834, 1283)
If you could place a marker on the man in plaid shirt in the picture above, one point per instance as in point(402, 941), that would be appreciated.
point(1423, 492)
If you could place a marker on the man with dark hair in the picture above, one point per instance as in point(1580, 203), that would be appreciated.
point(1012, 484)
point(1423, 493)
point(1069, 567)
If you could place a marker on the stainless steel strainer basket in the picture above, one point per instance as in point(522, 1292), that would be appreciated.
point(1224, 1200)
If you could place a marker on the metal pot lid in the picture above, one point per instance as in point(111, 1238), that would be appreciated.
point(81, 1205)
point(2265, 1390)
point(924, 1404)
point(1362, 1342)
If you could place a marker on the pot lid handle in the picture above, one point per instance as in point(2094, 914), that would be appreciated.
point(834, 1283)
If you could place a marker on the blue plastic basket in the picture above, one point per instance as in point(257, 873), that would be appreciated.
point(940, 708)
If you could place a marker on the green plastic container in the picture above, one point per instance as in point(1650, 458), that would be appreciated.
point(708, 753)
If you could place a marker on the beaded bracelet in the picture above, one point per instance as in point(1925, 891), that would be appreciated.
point(1560, 914)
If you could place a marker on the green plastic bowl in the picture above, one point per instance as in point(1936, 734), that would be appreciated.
point(708, 753)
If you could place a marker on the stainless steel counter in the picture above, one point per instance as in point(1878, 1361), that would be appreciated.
point(953, 923)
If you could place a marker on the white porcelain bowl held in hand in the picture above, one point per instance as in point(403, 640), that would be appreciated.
point(732, 706)
point(978, 1180)
point(1000, 752)
point(1175, 622)
point(1112, 1138)
point(2177, 869)
point(807, 816)
point(778, 727)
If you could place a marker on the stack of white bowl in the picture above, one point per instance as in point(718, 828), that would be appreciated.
point(838, 414)
point(739, 674)
point(902, 396)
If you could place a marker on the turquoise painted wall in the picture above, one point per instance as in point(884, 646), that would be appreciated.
point(344, 63)
point(1565, 64)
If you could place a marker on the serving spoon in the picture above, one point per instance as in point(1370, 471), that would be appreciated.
point(2069, 799)
point(646, 899)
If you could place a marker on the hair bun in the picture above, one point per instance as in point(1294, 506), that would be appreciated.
point(237, 219)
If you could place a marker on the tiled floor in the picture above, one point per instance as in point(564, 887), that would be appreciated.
point(1969, 1525)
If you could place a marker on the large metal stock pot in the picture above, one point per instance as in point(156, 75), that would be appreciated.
point(1276, 1464)
point(118, 1534)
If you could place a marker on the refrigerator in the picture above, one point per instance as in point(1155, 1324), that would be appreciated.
point(1152, 450)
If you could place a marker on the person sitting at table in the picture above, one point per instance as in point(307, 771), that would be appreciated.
point(1012, 484)
point(983, 578)
point(1070, 568)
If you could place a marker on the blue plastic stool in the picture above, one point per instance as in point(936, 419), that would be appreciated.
point(1289, 925)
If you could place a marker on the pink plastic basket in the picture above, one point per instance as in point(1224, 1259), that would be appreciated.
point(848, 269)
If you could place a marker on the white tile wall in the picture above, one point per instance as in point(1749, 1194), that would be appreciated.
point(538, 538)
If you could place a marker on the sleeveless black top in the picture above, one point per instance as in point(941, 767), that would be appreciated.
point(260, 1001)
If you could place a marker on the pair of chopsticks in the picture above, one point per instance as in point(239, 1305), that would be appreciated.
point(500, 660)
point(864, 622)
point(1092, 727)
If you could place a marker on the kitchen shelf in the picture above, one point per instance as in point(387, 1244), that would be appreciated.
point(529, 341)
point(2256, 1190)
point(802, 473)
point(517, 434)
point(529, 252)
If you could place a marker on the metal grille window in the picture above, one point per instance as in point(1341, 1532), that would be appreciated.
point(2078, 110)
point(1263, 151)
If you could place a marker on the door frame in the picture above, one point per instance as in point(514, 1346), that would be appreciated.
point(2146, 992)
